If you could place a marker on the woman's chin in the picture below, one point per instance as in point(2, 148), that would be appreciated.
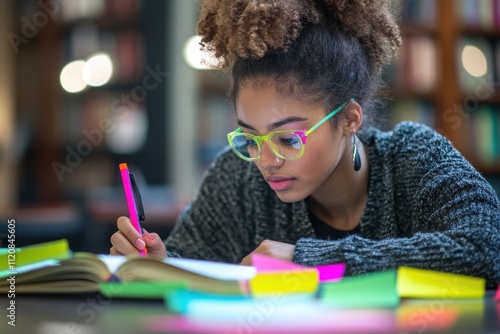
point(288, 197)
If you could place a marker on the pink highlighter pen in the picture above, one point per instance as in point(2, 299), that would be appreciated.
point(134, 202)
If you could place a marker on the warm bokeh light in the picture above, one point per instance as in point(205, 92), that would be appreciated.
point(474, 61)
point(195, 57)
point(98, 70)
point(130, 131)
point(71, 77)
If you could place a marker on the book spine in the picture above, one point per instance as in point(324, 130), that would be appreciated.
point(485, 14)
point(496, 56)
point(470, 13)
point(496, 134)
point(484, 134)
point(496, 13)
point(428, 13)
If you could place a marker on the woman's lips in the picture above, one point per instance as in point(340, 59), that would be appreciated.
point(280, 183)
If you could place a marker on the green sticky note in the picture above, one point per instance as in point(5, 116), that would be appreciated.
point(17, 257)
point(363, 291)
point(140, 289)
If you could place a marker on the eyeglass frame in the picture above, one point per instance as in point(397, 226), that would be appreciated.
point(266, 138)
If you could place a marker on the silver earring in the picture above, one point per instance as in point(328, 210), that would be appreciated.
point(278, 160)
point(356, 159)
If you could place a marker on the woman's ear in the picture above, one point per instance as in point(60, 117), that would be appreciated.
point(353, 117)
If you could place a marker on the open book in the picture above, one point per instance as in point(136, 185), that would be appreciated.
point(85, 272)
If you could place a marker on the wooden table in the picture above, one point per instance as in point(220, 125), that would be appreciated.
point(95, 314)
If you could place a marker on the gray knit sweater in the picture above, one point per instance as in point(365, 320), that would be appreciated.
point(427, 208)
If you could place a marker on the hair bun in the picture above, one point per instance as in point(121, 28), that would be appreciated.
point(372, 22)
point(251, 28)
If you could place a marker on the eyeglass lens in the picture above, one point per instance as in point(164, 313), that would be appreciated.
point(285, 144)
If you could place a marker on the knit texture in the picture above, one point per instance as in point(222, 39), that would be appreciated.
point(427, 208)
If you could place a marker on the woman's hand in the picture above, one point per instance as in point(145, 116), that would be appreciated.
point(127, 241)
point(278, 250)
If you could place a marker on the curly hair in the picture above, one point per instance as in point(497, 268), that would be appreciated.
point(326, 51)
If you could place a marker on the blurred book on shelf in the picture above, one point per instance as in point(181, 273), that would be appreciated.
point(482, 14)
point(422, 13)
point(72, 11)
point(486, 135)
point(413, 110)
point(497, 61)
point(216, 119)
point(415, 69)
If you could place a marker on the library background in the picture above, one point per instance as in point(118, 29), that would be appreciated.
point(86, 85)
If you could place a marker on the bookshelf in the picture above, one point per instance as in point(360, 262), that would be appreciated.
point(479, 30)
point(217, 117)
point(68, 142)
point(447, 75)
point(75, 140)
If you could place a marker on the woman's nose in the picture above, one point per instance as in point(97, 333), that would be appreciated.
point(268, 159)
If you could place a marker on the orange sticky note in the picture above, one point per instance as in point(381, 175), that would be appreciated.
point(411, 317)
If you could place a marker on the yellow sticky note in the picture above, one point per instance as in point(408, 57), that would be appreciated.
point(421, 283)
point(289, 281)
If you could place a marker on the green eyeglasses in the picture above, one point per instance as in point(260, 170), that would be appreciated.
point(286, 144)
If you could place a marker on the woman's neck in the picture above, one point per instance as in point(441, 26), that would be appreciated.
point(341, 201)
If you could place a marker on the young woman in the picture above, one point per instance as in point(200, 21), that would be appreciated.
point(306, 178)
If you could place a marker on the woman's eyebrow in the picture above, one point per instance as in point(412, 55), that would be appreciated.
point(245, 125)
point(274, 125)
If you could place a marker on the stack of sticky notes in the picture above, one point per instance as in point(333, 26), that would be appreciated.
point(280, 286)
point(384, 289)
point(326, 286)
point(287, 297)
point(278, 276)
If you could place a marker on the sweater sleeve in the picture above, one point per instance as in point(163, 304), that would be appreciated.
point(455, 227)
point(210, 228)
point(470, 246)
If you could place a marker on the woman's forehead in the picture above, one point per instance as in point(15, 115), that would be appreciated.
point(264, 109)
point(267, 99)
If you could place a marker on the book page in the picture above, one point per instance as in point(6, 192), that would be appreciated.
point(112, 261)
point(216, 270)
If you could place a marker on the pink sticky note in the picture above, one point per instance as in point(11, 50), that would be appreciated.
point(331, 272)
point(327, 273)
point(265, 263)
